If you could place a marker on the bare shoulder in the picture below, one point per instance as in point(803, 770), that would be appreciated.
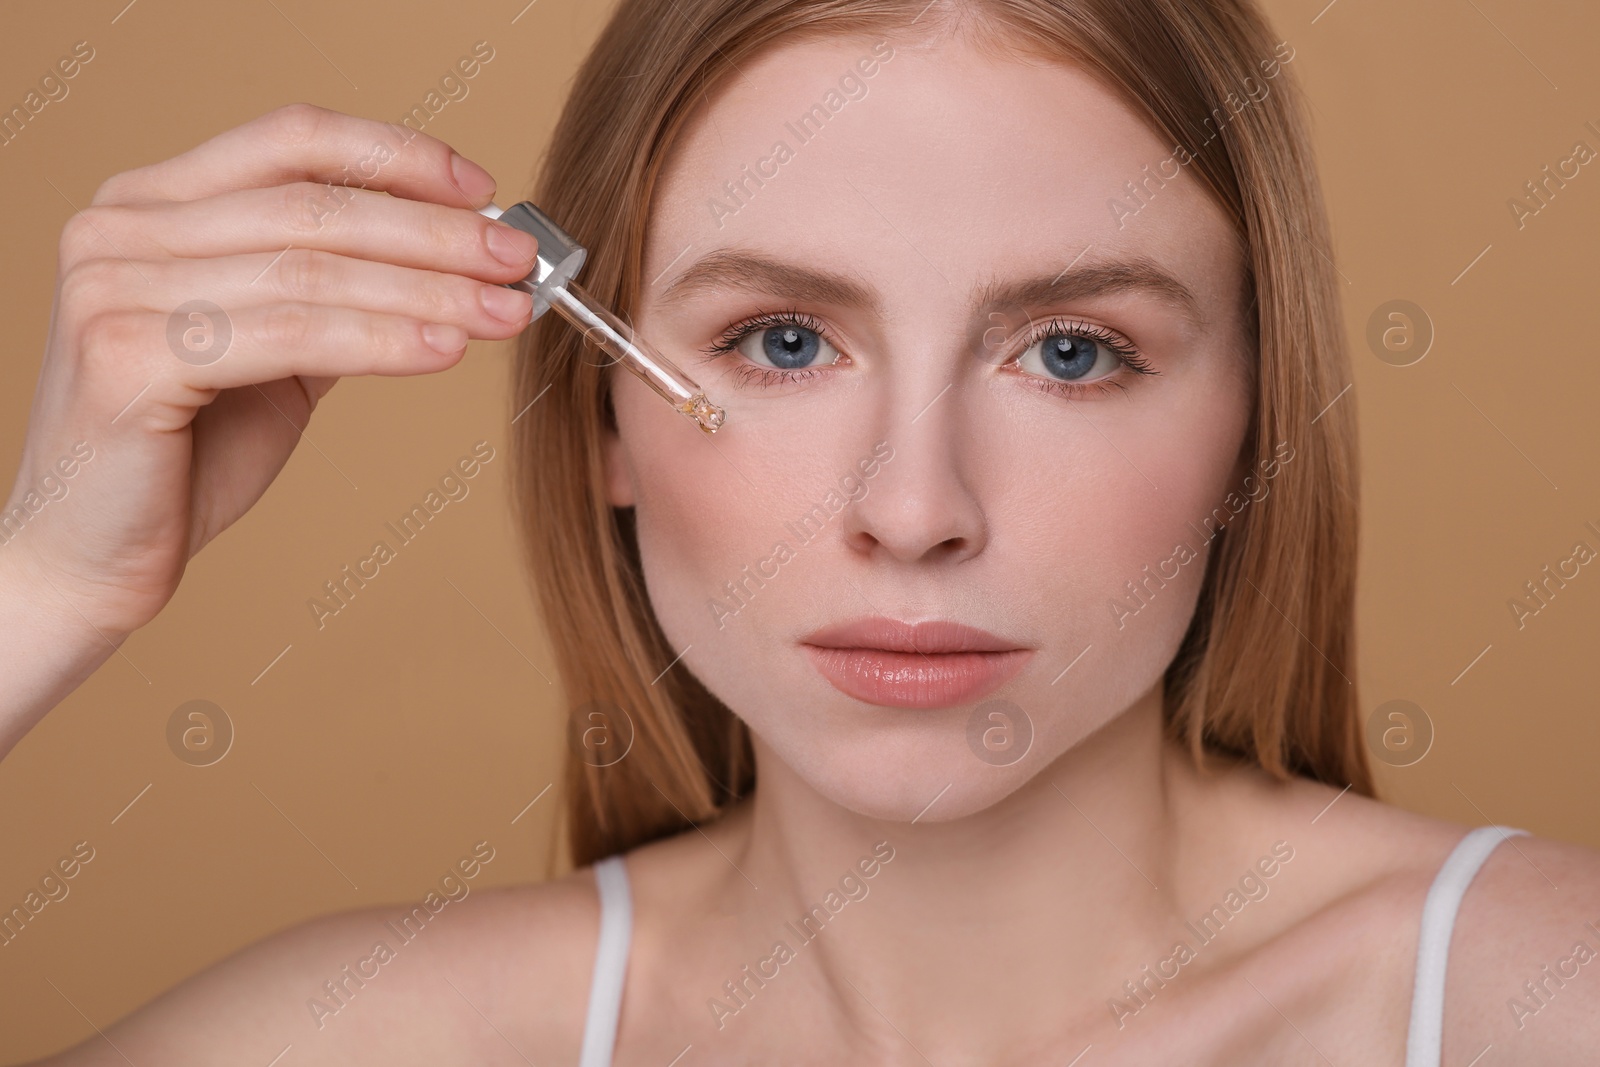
point(499, 975)
point(1524, 968)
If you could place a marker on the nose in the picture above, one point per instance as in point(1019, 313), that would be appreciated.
point(921, 507)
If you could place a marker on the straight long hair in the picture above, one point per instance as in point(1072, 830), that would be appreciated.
point(1265, 672)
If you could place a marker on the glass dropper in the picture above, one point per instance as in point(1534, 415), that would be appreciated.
point(550, 283)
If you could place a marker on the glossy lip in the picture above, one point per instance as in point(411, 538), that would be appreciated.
point(931, 664)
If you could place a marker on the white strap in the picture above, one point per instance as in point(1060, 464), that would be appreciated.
point(610, 962)
point(1425, 1038)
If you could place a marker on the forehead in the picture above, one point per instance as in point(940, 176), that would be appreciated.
point(930, 165)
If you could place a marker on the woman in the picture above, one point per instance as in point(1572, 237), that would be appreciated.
point(1020, 576)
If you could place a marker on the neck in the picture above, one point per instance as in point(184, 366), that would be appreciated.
point(1026, 911)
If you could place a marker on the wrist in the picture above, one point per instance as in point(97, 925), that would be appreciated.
point(47, 649)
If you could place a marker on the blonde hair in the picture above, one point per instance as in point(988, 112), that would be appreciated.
point(1265, 672)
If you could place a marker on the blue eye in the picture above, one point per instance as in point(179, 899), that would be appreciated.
point(1072, 357)
point(1077, 358)
point(790, 347)
point(777, 345)
point(1067, 357)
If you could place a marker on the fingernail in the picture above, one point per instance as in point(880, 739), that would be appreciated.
point(509, 305)
point(512, 246)
point(444, 338)
point(473, 179)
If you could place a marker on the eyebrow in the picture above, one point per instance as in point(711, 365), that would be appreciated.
point(732, 268)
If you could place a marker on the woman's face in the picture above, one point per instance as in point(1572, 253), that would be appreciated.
point(929, 418)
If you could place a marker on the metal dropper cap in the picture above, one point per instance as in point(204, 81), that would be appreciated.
point(558, 259)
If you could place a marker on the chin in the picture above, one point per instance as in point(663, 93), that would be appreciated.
point(898, 764)
point(929, 786)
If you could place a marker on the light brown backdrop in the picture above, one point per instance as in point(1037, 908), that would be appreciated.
point(374, 753)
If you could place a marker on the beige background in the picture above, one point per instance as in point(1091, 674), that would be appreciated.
point(376, 752)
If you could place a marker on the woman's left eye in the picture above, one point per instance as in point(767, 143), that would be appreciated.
point(780, 347)
point(1076, 359)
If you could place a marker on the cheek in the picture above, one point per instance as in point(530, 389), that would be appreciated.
point(1148, 523)
point(720, 521)
point(1102, 529)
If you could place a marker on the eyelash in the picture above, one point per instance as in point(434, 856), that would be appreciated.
point(747, 373)
point(752, 373)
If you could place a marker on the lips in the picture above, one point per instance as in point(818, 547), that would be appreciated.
point(931, 664)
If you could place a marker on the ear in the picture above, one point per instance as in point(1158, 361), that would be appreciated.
point(619, 482)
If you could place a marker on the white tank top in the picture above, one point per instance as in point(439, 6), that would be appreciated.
point(610, 962)
point(1423, 1038)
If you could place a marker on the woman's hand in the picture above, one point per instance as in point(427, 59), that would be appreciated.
point(203, 306)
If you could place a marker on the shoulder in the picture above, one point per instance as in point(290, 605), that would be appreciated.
point(488, 978)
point(528, 952)
point(1531, 914)
point(1524, 966)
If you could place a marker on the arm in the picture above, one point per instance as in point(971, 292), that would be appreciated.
point(489, 979)
point(46, 649)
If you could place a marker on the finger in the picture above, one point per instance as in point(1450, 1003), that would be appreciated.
point(362, 224)
point(181, 365)
point(304, 142)
point(310, 276)
point(266, 421)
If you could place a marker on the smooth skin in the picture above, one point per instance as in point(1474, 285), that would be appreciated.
point(1022, 897)
point(188, 449)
